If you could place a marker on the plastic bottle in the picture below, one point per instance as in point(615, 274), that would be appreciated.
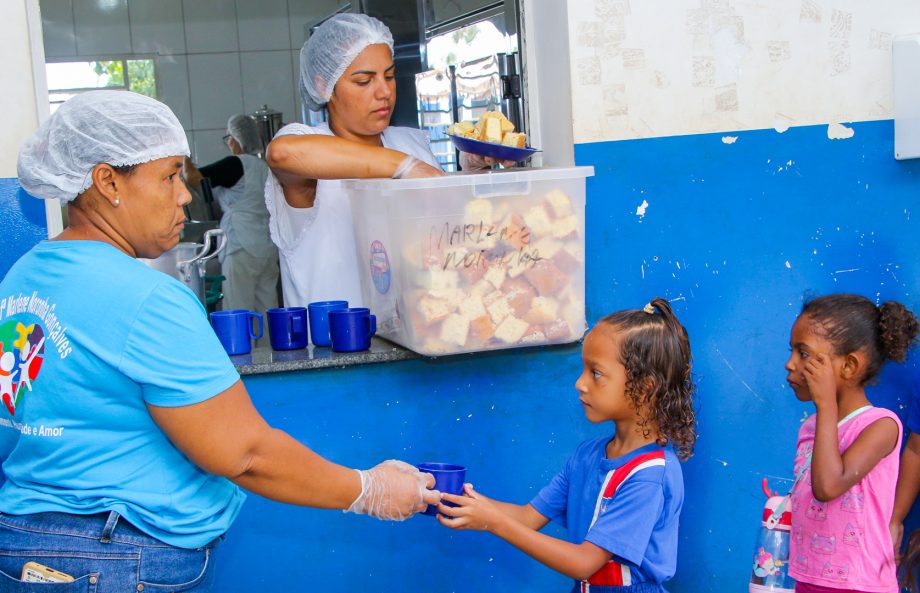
point(770, 572)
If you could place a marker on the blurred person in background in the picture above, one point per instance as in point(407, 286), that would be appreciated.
point(250, 260)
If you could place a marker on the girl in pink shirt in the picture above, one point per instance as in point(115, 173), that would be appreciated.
point(846, 462)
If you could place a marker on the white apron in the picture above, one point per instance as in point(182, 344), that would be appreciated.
point(245, 219)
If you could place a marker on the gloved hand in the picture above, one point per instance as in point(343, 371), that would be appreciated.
point(394, 491)
point(472, 162)
point(412, 168)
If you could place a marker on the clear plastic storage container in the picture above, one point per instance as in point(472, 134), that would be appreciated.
point(474, 261)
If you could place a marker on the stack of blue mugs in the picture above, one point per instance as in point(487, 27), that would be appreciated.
point(330, 323)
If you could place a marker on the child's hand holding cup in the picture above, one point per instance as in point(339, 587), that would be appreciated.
point(447, 478)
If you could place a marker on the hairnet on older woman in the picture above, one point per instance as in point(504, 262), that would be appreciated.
point(120, 128)
point(329, 51)
point(245, 131)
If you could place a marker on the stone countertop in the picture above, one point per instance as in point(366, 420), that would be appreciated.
point(265, 360)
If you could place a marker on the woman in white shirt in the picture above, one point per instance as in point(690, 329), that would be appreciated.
point(346, 65)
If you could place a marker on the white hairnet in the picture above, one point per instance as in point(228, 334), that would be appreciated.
point(120, 128)
point(245, 131)
point(329, 51)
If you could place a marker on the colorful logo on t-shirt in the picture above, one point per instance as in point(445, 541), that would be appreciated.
point(21, 354)
point(380, 267)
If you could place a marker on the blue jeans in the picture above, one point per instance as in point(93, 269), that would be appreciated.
point(104, 554)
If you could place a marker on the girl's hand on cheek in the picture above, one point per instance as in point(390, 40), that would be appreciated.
point(821, 379)
point(472, 512)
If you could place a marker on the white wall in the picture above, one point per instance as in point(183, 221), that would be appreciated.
point(18, 113)
point(646, 68)
point(547, 93)
point(214, 58)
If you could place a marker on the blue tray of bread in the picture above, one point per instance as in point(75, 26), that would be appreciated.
point(501, 152)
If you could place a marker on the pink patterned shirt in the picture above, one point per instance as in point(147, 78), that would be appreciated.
point(845, 543)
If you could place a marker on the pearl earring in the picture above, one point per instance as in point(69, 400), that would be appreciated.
point(116, 202)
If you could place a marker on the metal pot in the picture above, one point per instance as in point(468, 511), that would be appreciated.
point(269, 122)
point(186, 261)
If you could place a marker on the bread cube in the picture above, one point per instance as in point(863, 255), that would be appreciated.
point(495, 275)
point(546, 248)
point(566, 227)
point(492, 131)
point(511, 329)
point(454, 330)
point(433, 309)
point(514, 232)
point(514, 139)
point(533, 335)
point(454, 297)
point(573, 313)
point(538, 220)
point(481, 289)
point(519, 294)
point(497, 306)
point(435, 346)
point(436, 280)
point(472, 307)
point(546, 277)
point(543, 310)
point(481, 331)
point(570, 258)
point(472, 274)
point(478, 211)
point(560, 203)
point(557, 331)
point(461, 128)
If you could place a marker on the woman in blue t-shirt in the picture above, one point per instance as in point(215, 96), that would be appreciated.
point(126, 433)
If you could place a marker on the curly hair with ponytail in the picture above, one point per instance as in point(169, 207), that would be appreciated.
point(655, 349)
point(852, 323)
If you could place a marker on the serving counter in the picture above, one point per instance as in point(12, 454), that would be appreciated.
point(264, 360)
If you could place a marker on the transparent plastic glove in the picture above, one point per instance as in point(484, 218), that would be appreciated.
point(413, 168)
point(394, 491)
point(472, 162)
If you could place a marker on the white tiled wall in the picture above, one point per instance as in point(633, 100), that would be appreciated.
point(210, 26)
point(101, 27)
point(214, 57)
point(157, 27)
point(263, 25)
point(57, 22)
point(266, 79)
point(173, 86)
point(216, 89)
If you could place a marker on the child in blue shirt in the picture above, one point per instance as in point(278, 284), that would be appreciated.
point(618, 496)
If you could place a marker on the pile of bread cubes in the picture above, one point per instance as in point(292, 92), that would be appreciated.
point(511, 274)
point(493, 127)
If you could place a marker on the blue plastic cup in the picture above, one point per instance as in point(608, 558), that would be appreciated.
point(351, 329)
point(447, 478)
point(319, 320)
point(287, 328)
point(234, 329)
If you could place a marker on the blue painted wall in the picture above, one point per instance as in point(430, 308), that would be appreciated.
point(721, 225)
point(737, 235)
point(23, 223)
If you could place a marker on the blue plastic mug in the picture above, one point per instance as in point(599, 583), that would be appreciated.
point(287, 328)
point(234, 329)
point(319, 320)
point(447, 478)
point(351, 329)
